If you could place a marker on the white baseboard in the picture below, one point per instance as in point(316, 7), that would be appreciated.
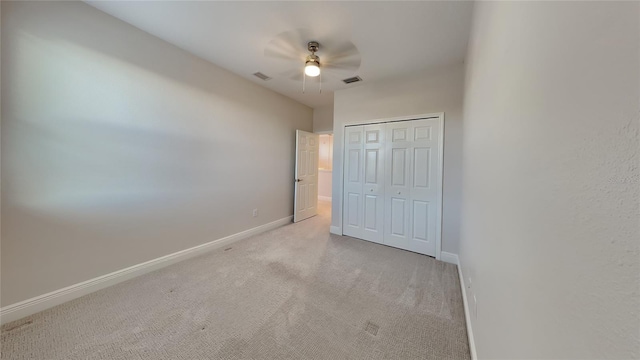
point(449, 257)
point(39, 303)
point(324, 198)
point(335, 230)
point(467, 312)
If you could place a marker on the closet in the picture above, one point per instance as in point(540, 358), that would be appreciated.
point(393, 183)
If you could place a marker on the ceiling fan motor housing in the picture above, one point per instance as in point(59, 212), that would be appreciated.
point(313, 46)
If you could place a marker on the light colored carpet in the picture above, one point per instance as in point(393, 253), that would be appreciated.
point(296, 292)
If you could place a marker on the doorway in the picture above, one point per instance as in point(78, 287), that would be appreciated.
point(325, 173)
point(325, 167)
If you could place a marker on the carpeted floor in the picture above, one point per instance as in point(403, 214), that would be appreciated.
point(296, 292)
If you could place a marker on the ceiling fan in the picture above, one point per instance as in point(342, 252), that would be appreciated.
point(296, 50)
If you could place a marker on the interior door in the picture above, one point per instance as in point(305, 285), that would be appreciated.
point(363, 201)
point(353, 182)
point(411, 201)
point(425, 170)
point(373, 183)
point(306, 176)
point(398, 191)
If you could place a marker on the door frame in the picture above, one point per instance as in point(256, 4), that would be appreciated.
point(440, 116)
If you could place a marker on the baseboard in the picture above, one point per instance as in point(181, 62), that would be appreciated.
point(450, 258)
point(324, 198)
point(39, 303)
point(467, 312)
point(335, 230)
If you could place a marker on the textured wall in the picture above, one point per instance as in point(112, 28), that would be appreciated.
point(551, 230)
point(118, 148)
point(433, 91)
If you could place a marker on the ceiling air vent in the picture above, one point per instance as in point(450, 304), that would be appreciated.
point(352, 80)
point(262, 76)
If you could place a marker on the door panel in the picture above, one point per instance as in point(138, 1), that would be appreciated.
point(398, 218)
point(421, 171)
point(353, 213)
point(425, 169)
point(373, 187)
point(420, 220)
point(371, 166)
point(354, 165)
point(364, 177)
point(370, 215)
point(353, 183)
point(306, 180)
point(398, 166)
point(398, 195)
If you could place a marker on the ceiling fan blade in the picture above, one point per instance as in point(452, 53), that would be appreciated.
point(351, 65)
point(289, 45)
point(342, 56)
point(342, 50)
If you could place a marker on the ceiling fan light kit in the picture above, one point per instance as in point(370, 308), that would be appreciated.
point(312, 64)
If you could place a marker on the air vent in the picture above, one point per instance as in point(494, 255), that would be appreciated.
point(352, 80)
point(262, 76)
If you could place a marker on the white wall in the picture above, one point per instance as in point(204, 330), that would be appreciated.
point(550, 232)
point(437, 90)
point(323, 118)
point(118, 148)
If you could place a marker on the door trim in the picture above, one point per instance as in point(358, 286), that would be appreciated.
point(440, 117)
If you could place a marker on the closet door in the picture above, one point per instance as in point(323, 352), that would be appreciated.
point(425, 183)
point(353, 204)
point(373, 194)
point(411, 201)
point(398, 189)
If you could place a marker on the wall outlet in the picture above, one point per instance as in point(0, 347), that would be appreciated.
point(469, 284)
point(255, 212)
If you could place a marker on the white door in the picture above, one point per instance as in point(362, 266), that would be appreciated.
point(373, 189)
point(412, 202)
point(392, 184)
point(363, 200)
point(353, 183)
point(398, 194)
point(306, 180)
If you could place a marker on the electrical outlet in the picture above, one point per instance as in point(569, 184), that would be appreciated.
point(255, 212)
point(469, 284)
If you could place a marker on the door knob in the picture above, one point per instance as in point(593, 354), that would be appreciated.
point(398, 192)
point(298, 180)
point(371, 190)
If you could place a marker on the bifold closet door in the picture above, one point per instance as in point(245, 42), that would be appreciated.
point(392, 178)
point(411, 201)
point(353, 205)
point(373, 194)
point(363, 215)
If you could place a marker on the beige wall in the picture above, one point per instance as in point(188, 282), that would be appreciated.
point(118, 148)
point(325, 164)
point(434, 91)
point(325, 152)
point(550, 231)
point(323, 118)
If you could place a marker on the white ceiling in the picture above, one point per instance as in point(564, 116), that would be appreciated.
point(393, 37)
